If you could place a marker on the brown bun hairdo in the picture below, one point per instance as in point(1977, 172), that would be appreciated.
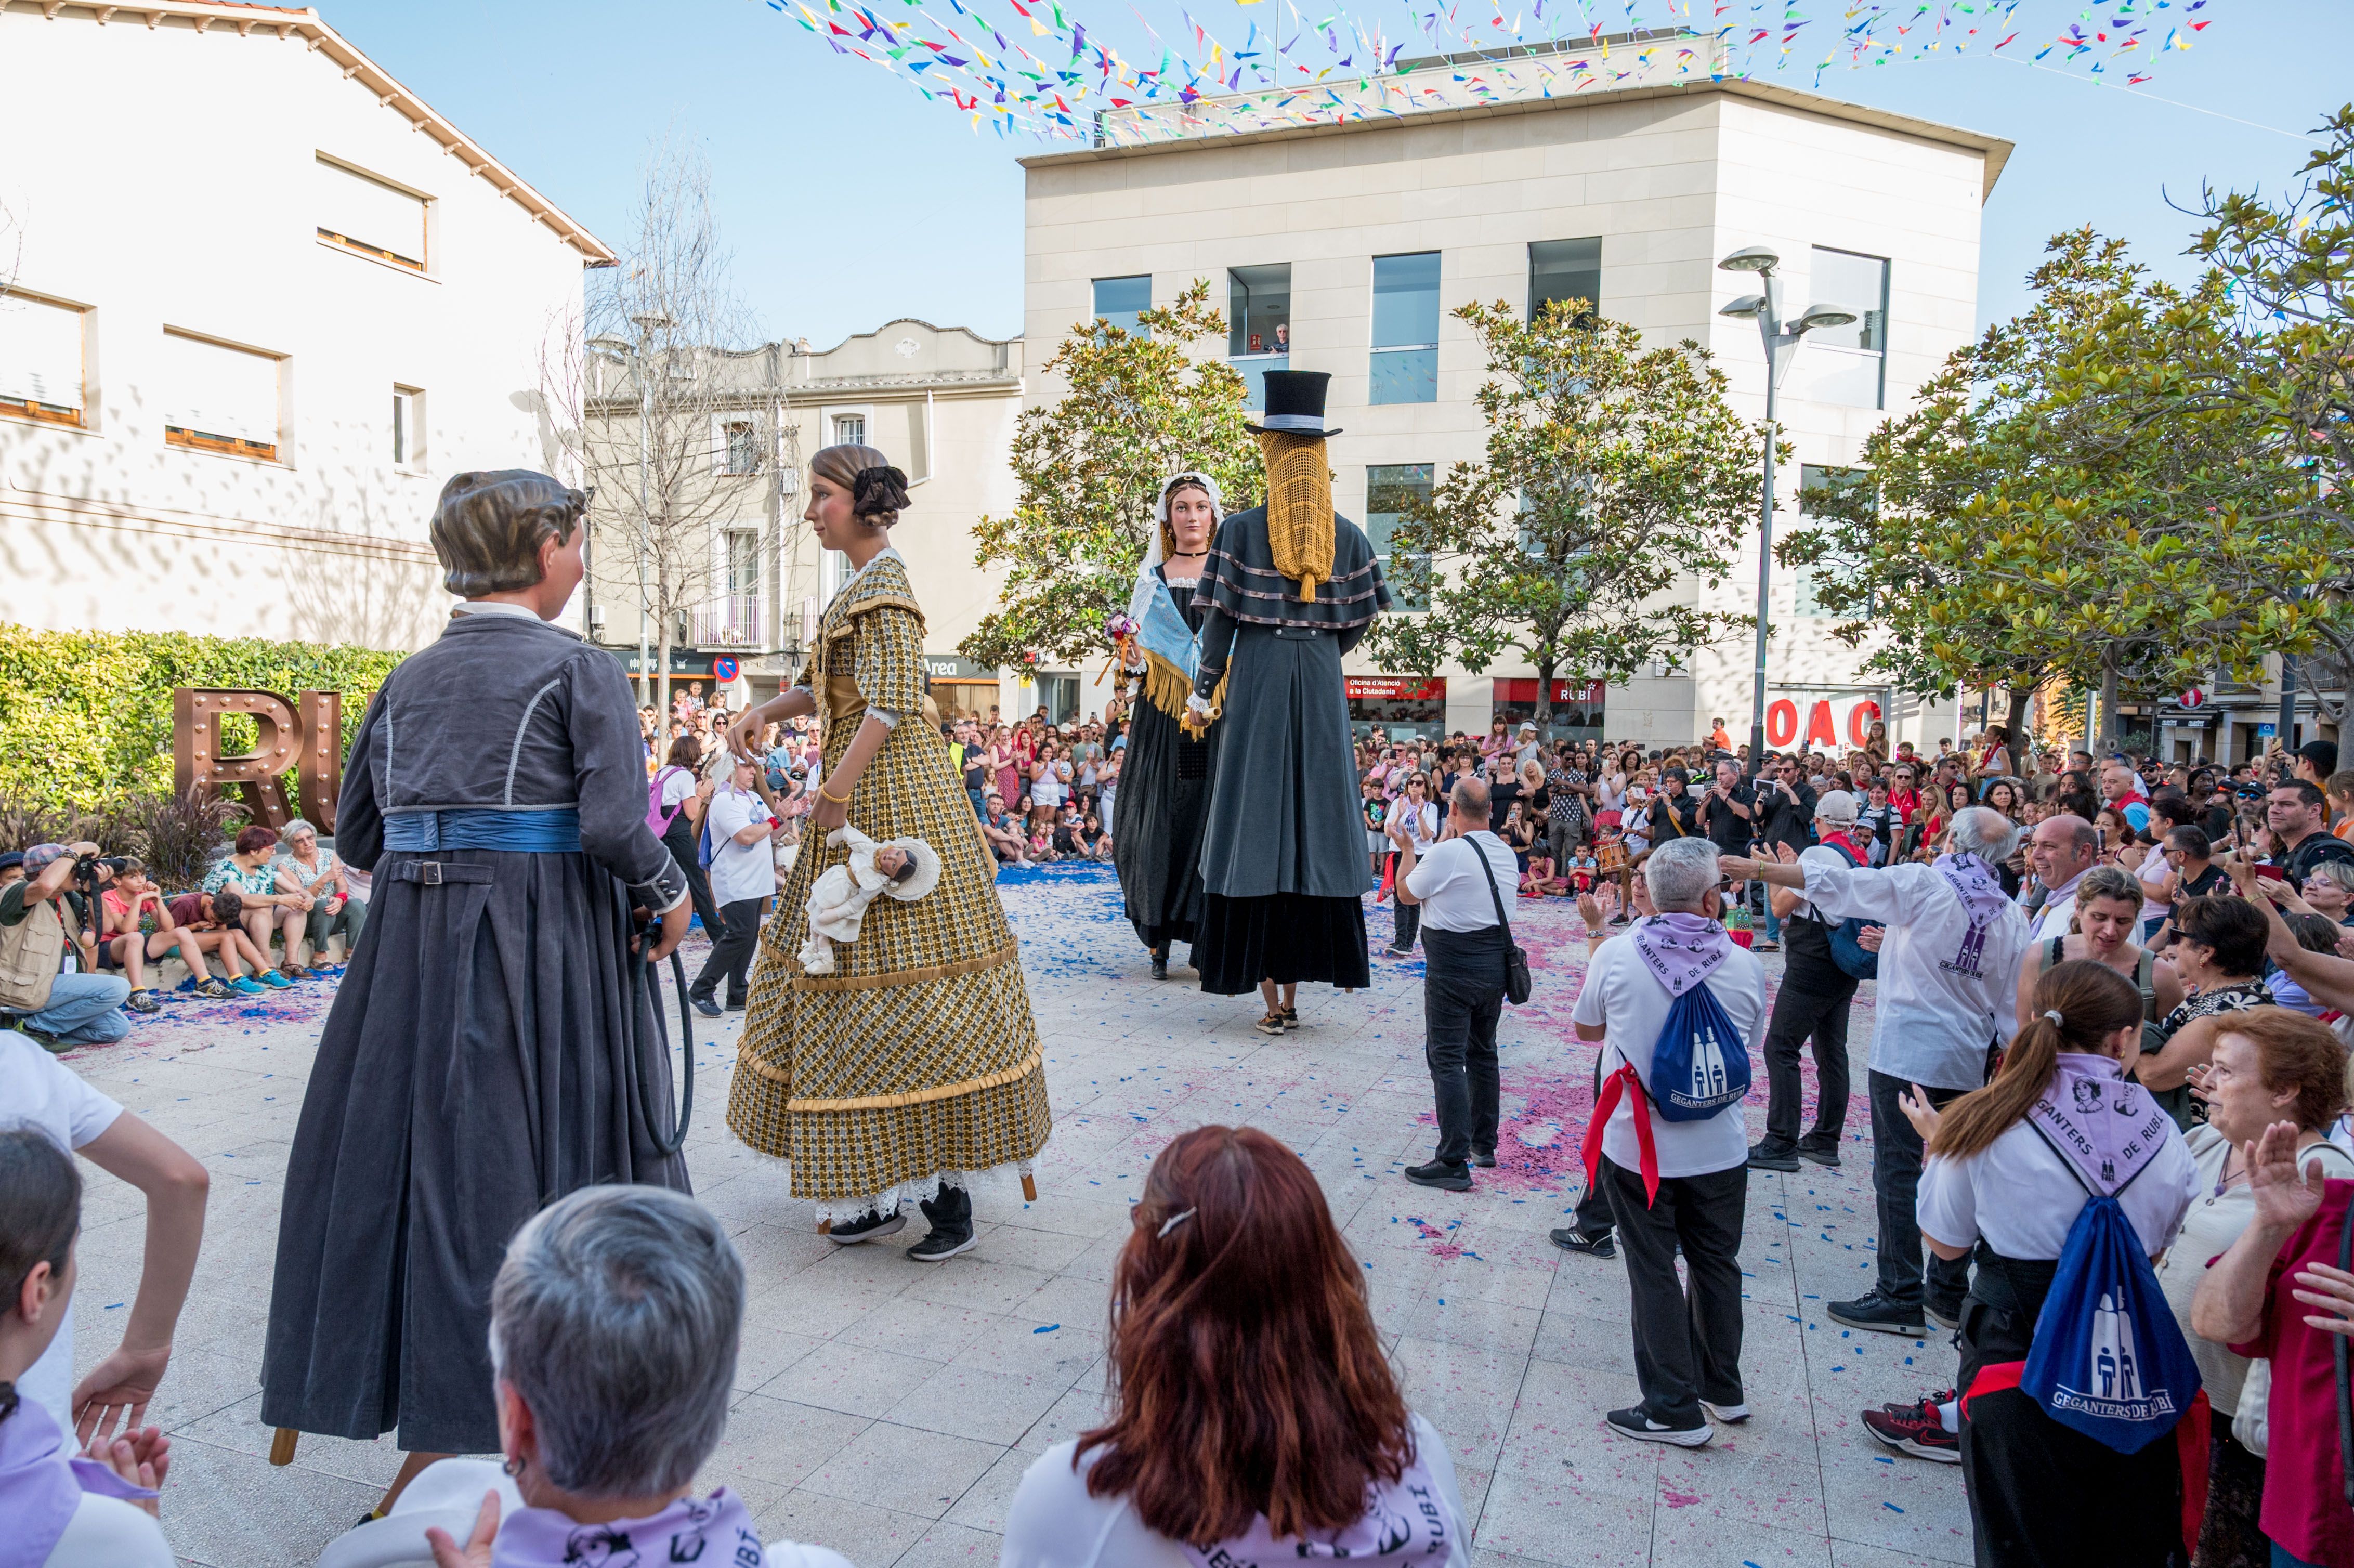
point(878, 492)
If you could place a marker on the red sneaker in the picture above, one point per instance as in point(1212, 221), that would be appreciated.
point(1916, 1430)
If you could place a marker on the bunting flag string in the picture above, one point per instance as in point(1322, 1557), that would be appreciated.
point(1050, 75)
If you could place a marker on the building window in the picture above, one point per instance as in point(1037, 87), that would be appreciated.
point(1390, 489)
point(1120, 300)
point(1405, 328)
point(41, 374)
point(1259, 330)
point(408, 429)
point(734, 445)
point(850, 429)
point(220, 399)
point(1814, 479)
point(360, 212)
point(1566, 269)
point(1850, 362)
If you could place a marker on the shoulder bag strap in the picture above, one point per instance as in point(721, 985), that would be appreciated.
point(1490, 873)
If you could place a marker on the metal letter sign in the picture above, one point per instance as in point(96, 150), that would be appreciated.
point(312, 744)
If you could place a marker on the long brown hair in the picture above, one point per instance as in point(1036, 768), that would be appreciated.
point(1242, 1345)
point(2092, 1002)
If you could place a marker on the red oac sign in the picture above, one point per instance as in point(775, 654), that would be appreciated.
point(1829, 722)
point(312, 744)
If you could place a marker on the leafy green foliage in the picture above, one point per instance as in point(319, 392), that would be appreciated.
point(1140, 406)
point(1612, 473)
point(2070, 499)
point(86, 717)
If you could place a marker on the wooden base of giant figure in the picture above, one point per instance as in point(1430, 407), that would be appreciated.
point(1290, 587)
point(489, 1049)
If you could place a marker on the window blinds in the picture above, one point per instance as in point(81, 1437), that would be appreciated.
point(41, 353)
point(210, 389)
point(371, 214)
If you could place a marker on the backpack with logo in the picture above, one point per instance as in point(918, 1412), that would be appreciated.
point(2108, 1357)
point(1848, 950)
point(658, 816)
point(1699, 1063)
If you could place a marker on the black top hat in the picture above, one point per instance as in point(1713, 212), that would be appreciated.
point(1295, 404)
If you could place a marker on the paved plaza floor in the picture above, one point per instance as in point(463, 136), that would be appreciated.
point(887, 1408)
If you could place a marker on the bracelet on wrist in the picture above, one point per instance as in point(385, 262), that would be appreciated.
point(828, 794)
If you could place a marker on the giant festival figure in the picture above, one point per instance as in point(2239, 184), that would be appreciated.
point(1290, 588)
point(490, 1048)
point(915, 1063)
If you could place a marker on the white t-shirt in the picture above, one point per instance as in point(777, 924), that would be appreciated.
point(1053, 1521)
point(38, 1090)
point(1621, 993)
point(2021, 1196)
point(677, 785)
point(738, 871)
point(108, 1532)
point(1454, 895)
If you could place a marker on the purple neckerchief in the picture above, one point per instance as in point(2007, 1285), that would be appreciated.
point(41, 1485)
point(1681, 949)
point(1404, 1521)
point(1974, 882)
point(2101, 1121)
point(543, 1537)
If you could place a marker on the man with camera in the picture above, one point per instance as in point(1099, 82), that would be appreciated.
point(40, 931)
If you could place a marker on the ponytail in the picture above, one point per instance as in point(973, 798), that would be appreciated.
point(40, 1212)
point(2078, 1005)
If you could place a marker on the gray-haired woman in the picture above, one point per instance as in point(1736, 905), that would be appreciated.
point(614, 1325)
point(318, 875)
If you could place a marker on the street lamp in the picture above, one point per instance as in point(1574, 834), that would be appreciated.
point(1781, 341)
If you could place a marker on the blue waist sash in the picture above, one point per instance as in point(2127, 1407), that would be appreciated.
point(529, 832)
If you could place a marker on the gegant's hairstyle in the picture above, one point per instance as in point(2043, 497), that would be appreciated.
point(1249, 1375)
point(878, 492)
point(2092, 1000)
point(488, 528)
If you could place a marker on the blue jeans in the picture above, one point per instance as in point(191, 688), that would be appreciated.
point(84, 1009)
point(980, 805)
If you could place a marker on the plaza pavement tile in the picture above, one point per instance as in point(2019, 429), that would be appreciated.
point(888, 1409)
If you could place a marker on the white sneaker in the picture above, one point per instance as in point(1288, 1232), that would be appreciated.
point(1731, 1415)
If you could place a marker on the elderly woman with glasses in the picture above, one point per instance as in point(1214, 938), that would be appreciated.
point(318, 875)
point(614, 1326)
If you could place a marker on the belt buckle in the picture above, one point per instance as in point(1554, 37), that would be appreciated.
point(430, 873)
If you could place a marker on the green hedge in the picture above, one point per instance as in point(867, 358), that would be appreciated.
point(86, 717)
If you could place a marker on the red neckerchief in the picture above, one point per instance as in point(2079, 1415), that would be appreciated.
point(1625, 1082)
point(1848, 845)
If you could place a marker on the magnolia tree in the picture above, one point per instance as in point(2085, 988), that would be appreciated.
point(2069, 500)
point(1137, 406)
point(1612, 473)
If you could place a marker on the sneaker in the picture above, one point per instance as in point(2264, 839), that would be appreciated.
point(1620, 919)
point(1632, 1423)
point(706, 1006)
point(142, 1001)
point(1569, 1238)
point(1485, 1158)
point(1876, 1312)
point(1917, 1430)
point(1159, 966)
point(1731, 1415)
point(866, 1227)
point(214, 989)
point(1291, 1018)
point(1827, 1158)
point(1943, 1317)
point(1766, 1157)
point(951, 1217)
point(1767, 948)
point(246, 985)
point(736, 1004)
point(1942, 1396)
point(1394, 951)
point(275, 980)
point(1271, 1024)
point(1438, 1173)
point(942, 1244)
point(44, 1039)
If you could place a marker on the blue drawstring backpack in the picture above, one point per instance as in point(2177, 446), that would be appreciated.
point(2108, 1357)
point(1699, 1063)
point(1852, 956)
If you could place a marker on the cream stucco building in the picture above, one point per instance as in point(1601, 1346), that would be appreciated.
point(260, 302)
point(1345, 247)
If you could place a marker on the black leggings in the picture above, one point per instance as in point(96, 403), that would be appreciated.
point(680, 838)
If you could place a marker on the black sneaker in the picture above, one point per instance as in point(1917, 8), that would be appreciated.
point(1569, 1238)
point(952, 1232)
point(142, 1002)
point(1291, 1018)
point(1438, 1173)
point(736, 1003)
point(1766, 1157)
point(707, 1007)
point(1485, 1158)
point(1632, 1423)
point(214, 991)
point(1271, 1024)
point(866, 1227)
point(1944, 1316)
point(1394, 951)
point(1876, 1312)
point(1825, 1157)
point(1159, 966)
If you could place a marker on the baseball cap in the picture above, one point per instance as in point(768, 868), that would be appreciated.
point(1835, 805)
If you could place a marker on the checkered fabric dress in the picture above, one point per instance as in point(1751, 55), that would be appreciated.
point(916, 1060)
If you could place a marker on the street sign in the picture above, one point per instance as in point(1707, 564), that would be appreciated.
point(2265, 732)
point(724, 670)
point(2194, 698)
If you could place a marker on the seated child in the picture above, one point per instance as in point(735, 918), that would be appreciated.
point(905, 868)
point(1538, 880)
point(1066, 831)
point(1094, 843)
point(1581, 869)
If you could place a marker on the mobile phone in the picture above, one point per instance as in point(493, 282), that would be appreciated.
point(2271, 873)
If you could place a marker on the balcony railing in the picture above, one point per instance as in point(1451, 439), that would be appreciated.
point(730, 620)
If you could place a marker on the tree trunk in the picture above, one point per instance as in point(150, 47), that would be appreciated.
point(2109, 727)
point(2015, 728)
point(1546, 664)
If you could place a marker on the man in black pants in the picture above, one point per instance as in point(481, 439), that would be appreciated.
point(1814, 1001)
point(743, 879)
point(1458, 888)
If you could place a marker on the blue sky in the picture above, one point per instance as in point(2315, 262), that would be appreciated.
point(848, 200)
